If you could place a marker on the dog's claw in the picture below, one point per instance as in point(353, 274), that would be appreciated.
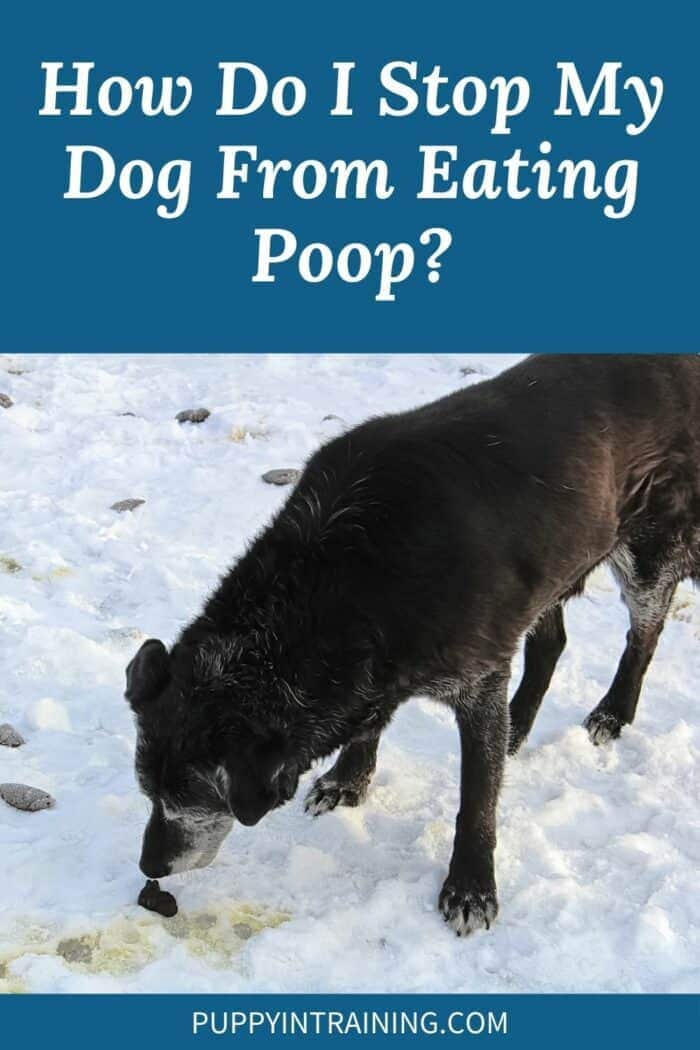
point(467, 910)
point(602, 726)
point(325, 795)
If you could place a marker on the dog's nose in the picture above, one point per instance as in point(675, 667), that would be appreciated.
point(153, 870)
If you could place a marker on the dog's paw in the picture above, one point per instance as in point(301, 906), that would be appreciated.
point(603, 726)
point(325, 795)
point(467, 910)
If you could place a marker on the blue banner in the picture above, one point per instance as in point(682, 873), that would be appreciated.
point(484, 242)
point(577, 1022)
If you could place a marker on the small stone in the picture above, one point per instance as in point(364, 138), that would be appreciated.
point(123, 505)
point(467, 370)
point(9, 737)
point(21, 796)
point(193, 415)
point(242, 930)
point(154, 898)
point(132, 414)
point(284, 476)
point(332, 417)
point(5, 401)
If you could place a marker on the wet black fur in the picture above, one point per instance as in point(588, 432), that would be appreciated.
point(412, 556)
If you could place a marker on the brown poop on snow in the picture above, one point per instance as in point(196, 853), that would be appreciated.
point(156, 899)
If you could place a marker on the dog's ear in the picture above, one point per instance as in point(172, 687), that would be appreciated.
point(147, 673)
point(269, 756)
point(261, 776)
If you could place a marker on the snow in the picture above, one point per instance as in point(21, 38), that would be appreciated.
point(599, 848)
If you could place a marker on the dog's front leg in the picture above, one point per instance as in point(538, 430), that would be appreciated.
point(468, 899)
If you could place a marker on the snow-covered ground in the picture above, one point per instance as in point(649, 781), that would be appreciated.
point(599, 851)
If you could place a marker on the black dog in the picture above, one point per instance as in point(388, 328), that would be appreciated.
point(412, 556)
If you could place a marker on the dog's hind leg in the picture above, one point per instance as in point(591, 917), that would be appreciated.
point(648, 577)
point(543, 647)
point(347, 783)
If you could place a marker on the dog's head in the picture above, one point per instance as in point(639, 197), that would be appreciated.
point(200, 768)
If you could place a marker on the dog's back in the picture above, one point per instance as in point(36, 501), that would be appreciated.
point(421, 543)
point(483, 508)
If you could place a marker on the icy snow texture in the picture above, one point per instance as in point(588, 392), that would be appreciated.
point(599, 849)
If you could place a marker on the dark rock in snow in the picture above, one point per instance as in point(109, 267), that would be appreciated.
point(21, 796)
point(123, 505)
point(193, 415)
point(154, 898)
point(467, 370)
point(283, 476)
point(5, 401)
point(9, 737)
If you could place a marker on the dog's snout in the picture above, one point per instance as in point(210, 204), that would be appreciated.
point(154, 869)
point(159, 845)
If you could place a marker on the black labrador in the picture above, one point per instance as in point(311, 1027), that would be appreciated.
point(412, 556)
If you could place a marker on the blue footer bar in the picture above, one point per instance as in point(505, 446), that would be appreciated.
point(168, 1022)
